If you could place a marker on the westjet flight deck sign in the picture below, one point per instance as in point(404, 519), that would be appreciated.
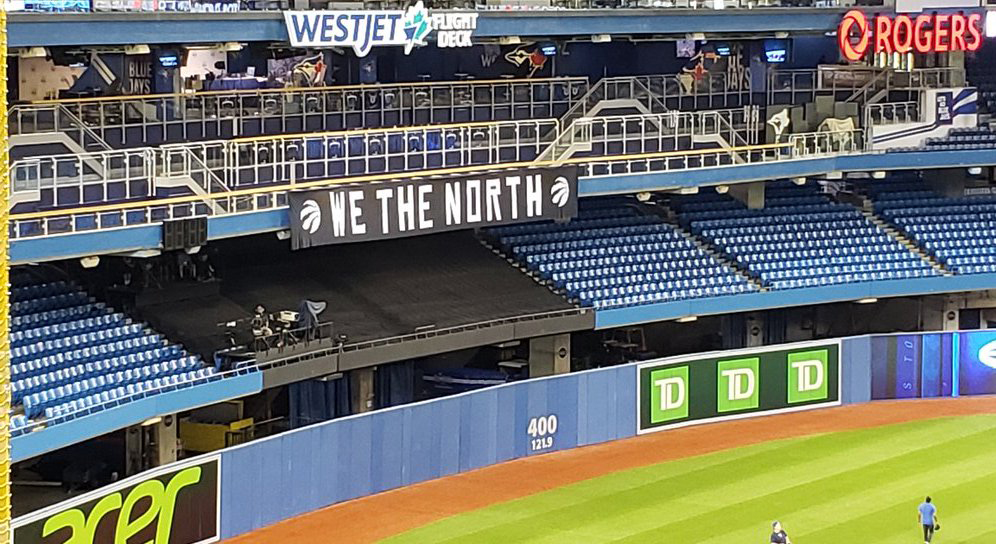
point(364, 30)
point(377, 211)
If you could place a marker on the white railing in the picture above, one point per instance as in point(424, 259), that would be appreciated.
point(232, 164)
point(143, 120)
point(892, 113)
point(86, 178)
point(857, 83)
point(262, 199)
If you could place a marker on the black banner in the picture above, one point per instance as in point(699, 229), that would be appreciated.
point(176, 505)
point(410, 207)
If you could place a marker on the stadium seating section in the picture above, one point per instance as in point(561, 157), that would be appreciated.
point(962, 139)
point(71, 354)
point(800, 239)
point(957, 231)
point(616, 255)
point(622, 253)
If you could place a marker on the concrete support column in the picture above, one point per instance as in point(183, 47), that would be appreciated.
point(549, 355)
point(165, 437)
point(134, 461)
point(755, 323)
point(151, 444)
point(931, 314)
point(751, 194)
point(362, 387)
point(950, 317)
point(956, 59)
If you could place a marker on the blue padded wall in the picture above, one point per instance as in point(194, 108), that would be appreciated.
point(359, 455)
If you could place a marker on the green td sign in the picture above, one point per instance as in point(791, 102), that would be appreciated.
point(733, 384)
point(807, 376)
point(668, 393)
point(737, 385)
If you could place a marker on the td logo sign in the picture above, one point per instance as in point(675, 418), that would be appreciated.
point(669, 394)
point(735, 384)
point(807, 376)
point(738, 384)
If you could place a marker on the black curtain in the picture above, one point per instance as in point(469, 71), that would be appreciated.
point(774, 327)
point(313, 401)
point(395, 384)
point(734, 330)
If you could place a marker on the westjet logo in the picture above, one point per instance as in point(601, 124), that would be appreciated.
point(361, 30)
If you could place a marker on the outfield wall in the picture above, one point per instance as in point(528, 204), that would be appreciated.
point(266, 481)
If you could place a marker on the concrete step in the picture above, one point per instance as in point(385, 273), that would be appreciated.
point(911, 246)
point(712, 252)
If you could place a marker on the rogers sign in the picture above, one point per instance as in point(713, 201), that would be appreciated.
point(936, 33)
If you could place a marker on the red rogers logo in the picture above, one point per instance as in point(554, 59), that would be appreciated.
point(901, 34)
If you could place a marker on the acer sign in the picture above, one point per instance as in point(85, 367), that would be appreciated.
point(936, 33)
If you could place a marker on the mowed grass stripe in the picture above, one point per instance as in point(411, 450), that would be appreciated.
point(557, 510)
point(823, 479)
point(836, 511)
point(967, 513)
point(846, 477)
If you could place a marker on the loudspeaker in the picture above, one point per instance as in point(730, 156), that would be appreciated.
point(184, 233)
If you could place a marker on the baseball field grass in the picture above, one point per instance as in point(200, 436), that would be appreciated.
point(859, 487)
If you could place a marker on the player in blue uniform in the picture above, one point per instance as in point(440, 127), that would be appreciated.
point(927, 515)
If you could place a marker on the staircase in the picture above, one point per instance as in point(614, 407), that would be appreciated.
point(182, 167)
point(704, 246)
point(867, 210)
point(614, 93)
point(62, 122)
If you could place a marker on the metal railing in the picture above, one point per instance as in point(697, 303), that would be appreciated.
point(799, 146)
point(97, 408)
point(892, 113)
point(420, 335)
point(672, 131)
point(87, 178)
point(301, 339)
point(259, 199)
point(219, 166)
point(151, 119)
point(296, 338)
point(854, 83)
point(205, 168)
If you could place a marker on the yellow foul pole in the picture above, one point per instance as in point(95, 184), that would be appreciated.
point(5, 533)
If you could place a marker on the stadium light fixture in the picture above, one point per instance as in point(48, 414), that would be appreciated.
point(90, 262)
point(722, 189)
point(601, 38)
point(138, 49)
point(975, 170)
point(509, 40)
point(868, 300)
point(31, 52)
point(152, 421)
point(687, 319)
point(799, 181)
point(878, 174)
